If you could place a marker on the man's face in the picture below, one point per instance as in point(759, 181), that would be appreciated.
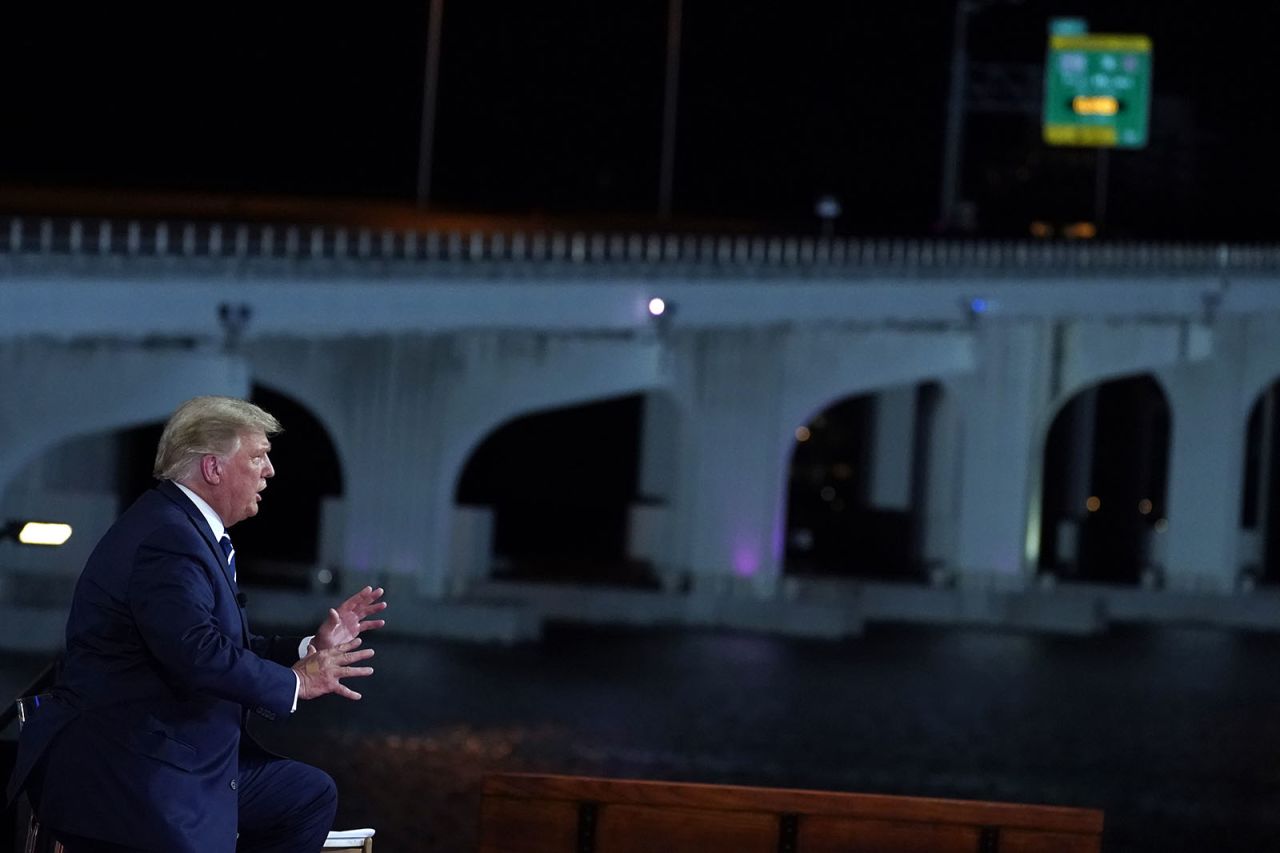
point(244, 476)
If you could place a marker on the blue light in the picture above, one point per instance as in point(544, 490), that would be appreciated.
point(978, 305)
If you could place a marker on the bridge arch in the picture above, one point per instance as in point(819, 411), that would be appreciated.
point(861, 484)
point(560, 485)
point(1103, 495)
point(310, 375)
point(284, 544)
point(1260, 494)
point(98, 389)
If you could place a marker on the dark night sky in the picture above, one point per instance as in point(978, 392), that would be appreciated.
point(554, 108)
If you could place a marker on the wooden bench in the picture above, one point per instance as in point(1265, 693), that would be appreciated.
point(522, 813)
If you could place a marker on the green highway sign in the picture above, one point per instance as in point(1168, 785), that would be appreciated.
point(1097, 90)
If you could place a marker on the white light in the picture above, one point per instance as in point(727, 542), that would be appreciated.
point(657, 306)
point(827, 207)
point(44, 533)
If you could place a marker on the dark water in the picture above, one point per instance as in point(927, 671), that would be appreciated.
point(1175, 733)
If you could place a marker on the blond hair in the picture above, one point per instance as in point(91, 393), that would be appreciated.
point(205, 425)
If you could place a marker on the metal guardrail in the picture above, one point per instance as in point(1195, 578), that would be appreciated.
point(230, 241)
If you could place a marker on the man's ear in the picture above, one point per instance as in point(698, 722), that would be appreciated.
point(211, 469)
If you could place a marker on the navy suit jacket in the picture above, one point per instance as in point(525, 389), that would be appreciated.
point(141, 736)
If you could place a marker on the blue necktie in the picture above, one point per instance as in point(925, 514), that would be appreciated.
point(229, 551)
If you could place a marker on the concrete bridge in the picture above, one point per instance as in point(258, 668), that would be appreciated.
point(411, 348)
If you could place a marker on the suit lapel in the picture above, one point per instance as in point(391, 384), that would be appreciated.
point(173, 493)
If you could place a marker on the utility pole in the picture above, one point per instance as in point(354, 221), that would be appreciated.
point(1100, 189)
point(431, 79)
point(670, 95)
point(952, 147)
point(978, 87)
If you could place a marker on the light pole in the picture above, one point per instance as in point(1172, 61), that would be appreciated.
point(430, 83)
point(670, 95)
point(957, 107)
point(955, 114)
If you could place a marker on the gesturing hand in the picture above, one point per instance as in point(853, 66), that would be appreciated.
point(349, 619)
point(322, 671)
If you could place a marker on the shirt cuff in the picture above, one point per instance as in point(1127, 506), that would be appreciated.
point(302, 653)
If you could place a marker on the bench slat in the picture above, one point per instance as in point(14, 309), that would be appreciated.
point(527, 825)
point(1051, 819)
point(824, 834)
point(645, 829)
point(1029, 841)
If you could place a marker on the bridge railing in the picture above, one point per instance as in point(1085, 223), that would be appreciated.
point(22, 236)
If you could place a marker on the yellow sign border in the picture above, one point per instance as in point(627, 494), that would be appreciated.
point(1102, 41)
point(1083, 135)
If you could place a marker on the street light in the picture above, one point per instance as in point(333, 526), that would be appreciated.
point(47, 533)
point(827, 208)
point(661, 312)
point(957, 95)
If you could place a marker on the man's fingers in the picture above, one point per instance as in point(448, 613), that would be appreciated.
point(331, 665)
point(369, 610)
point(354, 671)
point(366, 595)
point(352, 657)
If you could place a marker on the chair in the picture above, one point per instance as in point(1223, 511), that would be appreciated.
point(35, 841)
point(354, 840)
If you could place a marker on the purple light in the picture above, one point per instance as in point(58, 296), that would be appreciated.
point(745, 561)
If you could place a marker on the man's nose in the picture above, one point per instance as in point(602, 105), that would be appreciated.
point(268, 469)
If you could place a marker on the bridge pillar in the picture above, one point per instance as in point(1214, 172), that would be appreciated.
point(893, 437)
point(397, 512)
point(728, 505)
point(1002, 407)
point(651, 519)
point(941, 482)
point(1208, 401)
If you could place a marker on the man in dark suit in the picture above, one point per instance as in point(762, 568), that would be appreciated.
point(141, 744)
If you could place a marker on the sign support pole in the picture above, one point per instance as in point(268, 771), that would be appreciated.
point(1100, 175)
